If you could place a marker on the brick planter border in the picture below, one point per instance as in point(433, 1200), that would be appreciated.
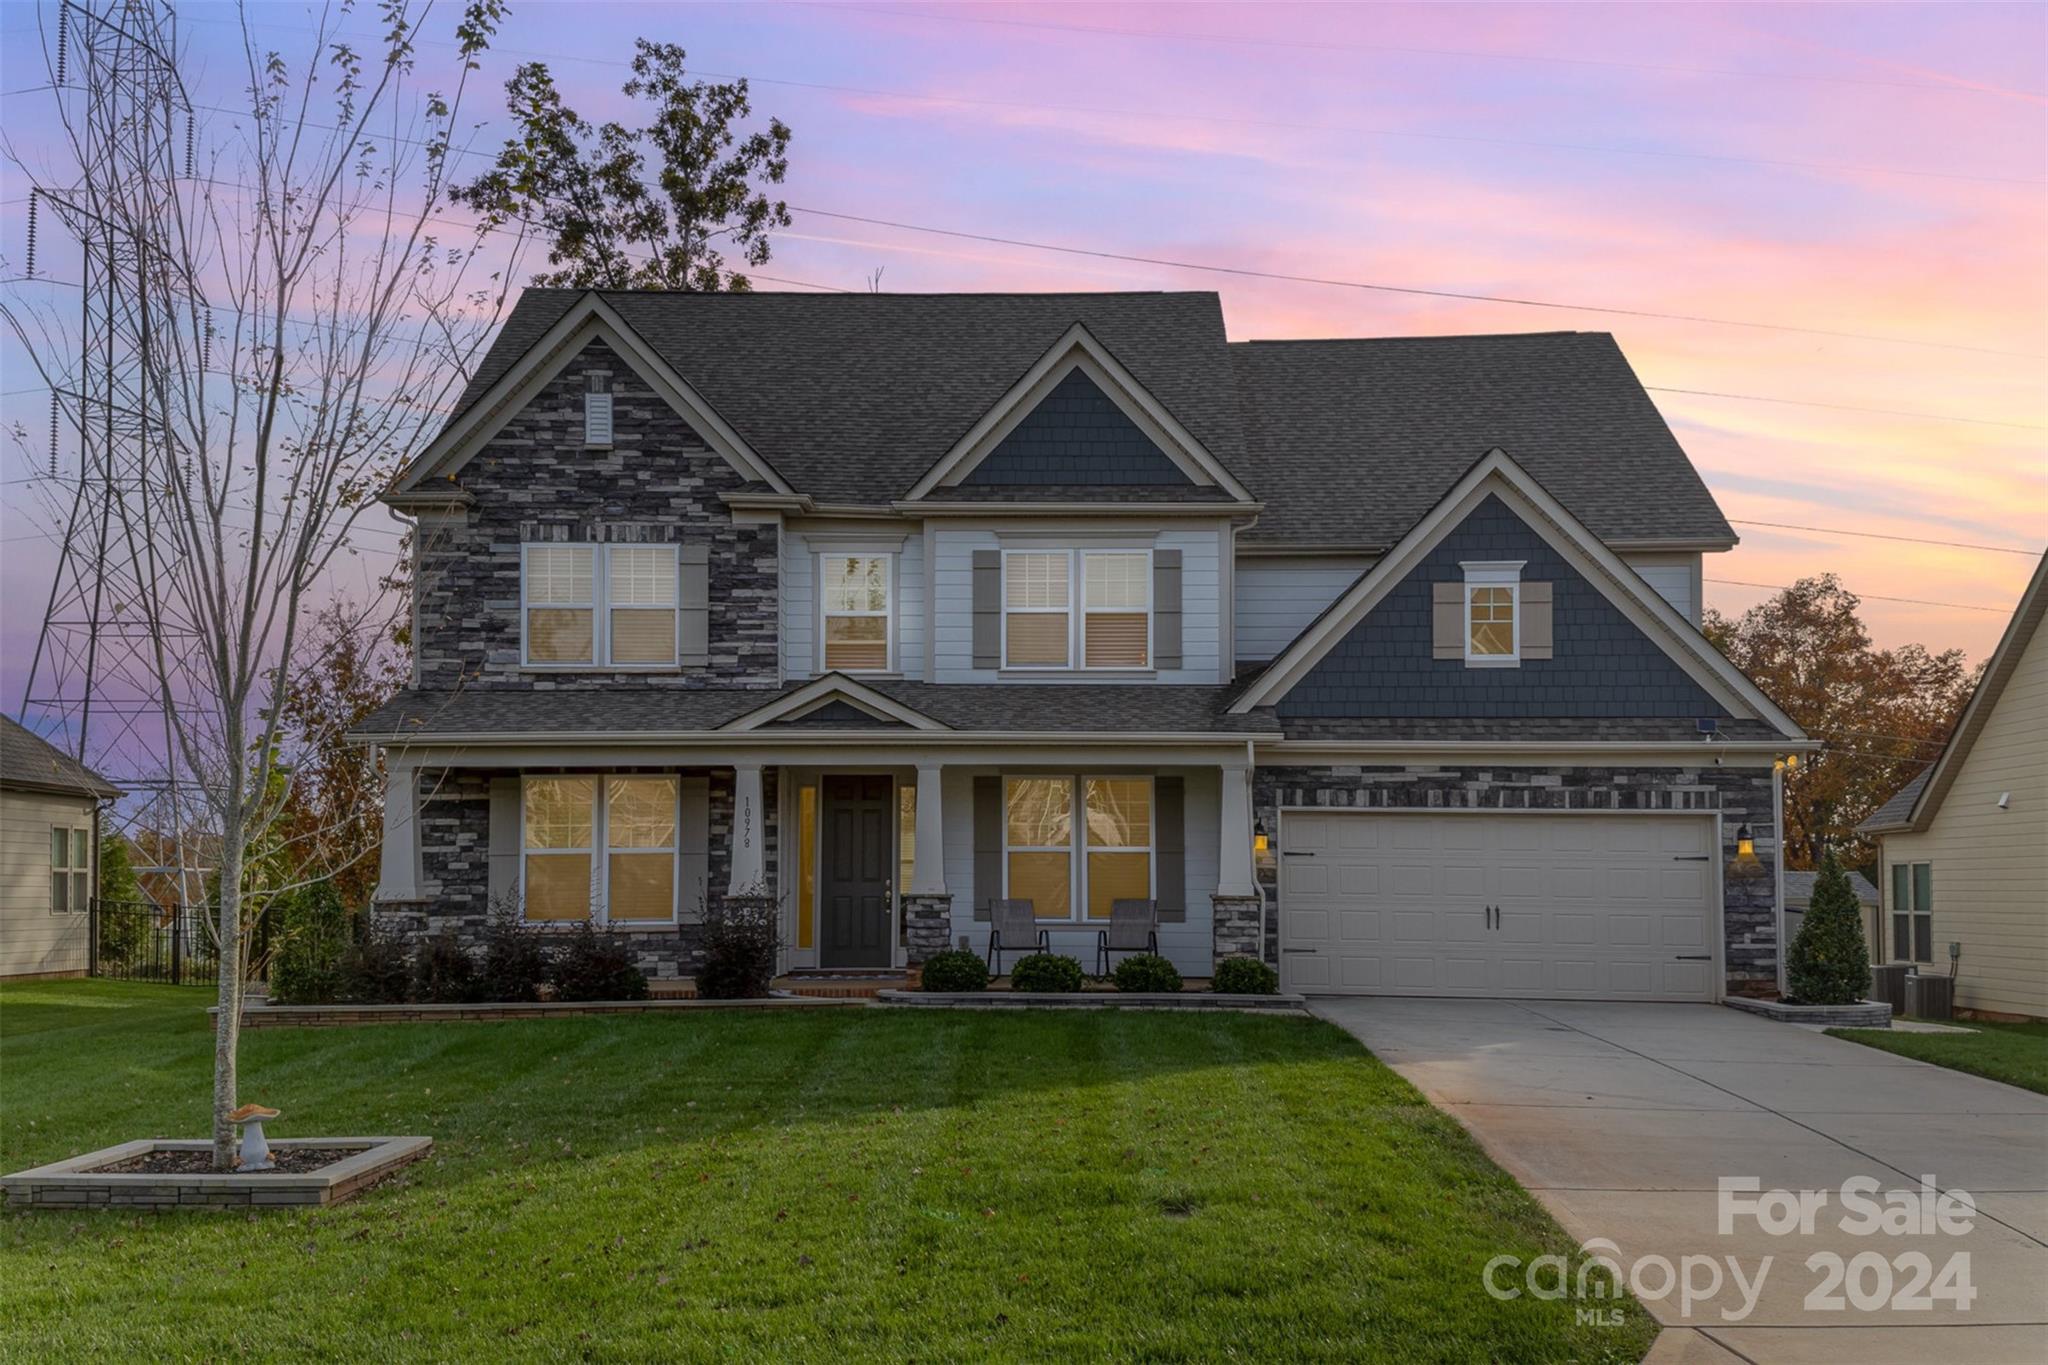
point(1093, 1000)
point(1863, 1014)
point(74, 1183)
point(331, 1016)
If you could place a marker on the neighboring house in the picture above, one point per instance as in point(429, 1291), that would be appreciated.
point(1963, 847)
point(1376, 659)
point(49, 855)
point(1799, 895)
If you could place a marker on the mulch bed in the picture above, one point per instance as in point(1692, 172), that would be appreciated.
point(286, 1161)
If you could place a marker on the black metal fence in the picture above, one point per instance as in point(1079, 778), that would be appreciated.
point(141, 941)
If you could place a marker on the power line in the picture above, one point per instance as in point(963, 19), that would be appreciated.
point(1846, 407)
point(1879, 535)
point(1383, 288)
point(1865, 596)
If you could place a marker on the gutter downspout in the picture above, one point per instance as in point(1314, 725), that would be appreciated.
point(1778, 875)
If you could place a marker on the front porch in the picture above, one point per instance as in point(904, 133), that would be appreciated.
point(874, 857)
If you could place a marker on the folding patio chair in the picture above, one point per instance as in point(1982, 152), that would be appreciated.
point(1013, 924)
point(1133, 928)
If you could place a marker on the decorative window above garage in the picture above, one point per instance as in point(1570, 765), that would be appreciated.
point(1491, 618)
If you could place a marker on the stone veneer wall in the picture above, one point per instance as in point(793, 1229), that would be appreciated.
point(455, 838)
point(536, 482)
point(1741, 795)
point(927, 925)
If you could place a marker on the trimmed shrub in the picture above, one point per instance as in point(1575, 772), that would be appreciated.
point(1146, 972)
point(594, 966)
point(1244, 976)
point(740, 943)
point(955, 970)
point(1046, 972)
point(514, 964)
point(311, 947)
point(378, 968)
point(1829, 963)
point(442, 973)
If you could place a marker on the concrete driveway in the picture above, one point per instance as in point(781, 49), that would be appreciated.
point(1622, 1119)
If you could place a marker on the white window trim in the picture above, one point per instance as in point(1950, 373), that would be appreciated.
point(1912, 911)
point(1078, 611)
point(74, 873)
point(600, 852)
point(1077, 847)
point(888, 614)
point(1493, 573)
point(600, 609)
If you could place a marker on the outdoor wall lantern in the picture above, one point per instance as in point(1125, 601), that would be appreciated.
point(1745, 863)
point(1260, 842)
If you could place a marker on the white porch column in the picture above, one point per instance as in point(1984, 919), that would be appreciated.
point(928, 871)
point(398, 876)
point(1235, 860)
point(748, 865)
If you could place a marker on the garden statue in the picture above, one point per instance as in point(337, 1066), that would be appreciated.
point(255, 1151)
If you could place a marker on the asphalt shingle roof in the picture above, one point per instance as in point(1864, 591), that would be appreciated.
point(1351, 442)
point(1899, 809)
point(853, 397)
point(28, 761)
point(1513, 729)
point(1799, 890)
point(986, 707)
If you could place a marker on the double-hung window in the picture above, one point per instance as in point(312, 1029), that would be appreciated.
point(855, 593)
point(565, 821)
point(1060, 865)
point(1108, 627)
point(600, 605)
point(1912, 912)
point(1492, 612)
point(70, 869)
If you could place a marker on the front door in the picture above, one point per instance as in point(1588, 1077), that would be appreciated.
point(858, 854)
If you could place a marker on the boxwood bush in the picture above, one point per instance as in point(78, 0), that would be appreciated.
point(954, 970)
point(1244, 976)
point(442, 972)
point(1046, 972)
point(514, 964)
point(594, 966)
point(1146, 972)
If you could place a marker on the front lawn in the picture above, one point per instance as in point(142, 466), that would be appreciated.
point(838, 1184)
point(2014, 1053)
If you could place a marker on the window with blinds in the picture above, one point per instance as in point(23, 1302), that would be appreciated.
point(600, 605)
point(604, 849)
point(1037, 608)
point(1070, 870)
point(1116, 590)
point(641, 593)
point(854, 591)
point(1096, 604)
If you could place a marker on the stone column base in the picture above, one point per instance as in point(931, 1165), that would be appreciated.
point(927, 925)
point(1237, 925)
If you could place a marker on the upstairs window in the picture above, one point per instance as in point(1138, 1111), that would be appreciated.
point(1492, 613)
point(1108, 627)
point(1912, 912)
point(600, 605)
point(856, 596)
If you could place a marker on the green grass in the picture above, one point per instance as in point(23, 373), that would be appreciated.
point(847, 1184)
point(2014, 1053)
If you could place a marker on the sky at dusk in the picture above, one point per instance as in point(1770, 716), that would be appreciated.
point(1870, 180)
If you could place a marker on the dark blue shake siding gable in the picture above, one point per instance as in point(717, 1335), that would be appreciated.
point(1603, 665)
point(1077, 435)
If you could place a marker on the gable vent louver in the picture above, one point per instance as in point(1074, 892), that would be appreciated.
point(597, 413)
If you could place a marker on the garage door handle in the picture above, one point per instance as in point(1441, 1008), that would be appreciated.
point(1690, 858)
point(1694, 957)
point(1295, 853)
point(1298, 950)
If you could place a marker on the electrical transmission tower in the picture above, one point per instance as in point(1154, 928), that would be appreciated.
point(109, 666)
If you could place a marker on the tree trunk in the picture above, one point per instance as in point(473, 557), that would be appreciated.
point(228, 1019)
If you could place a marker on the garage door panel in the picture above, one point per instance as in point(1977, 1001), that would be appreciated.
point(1590, 906)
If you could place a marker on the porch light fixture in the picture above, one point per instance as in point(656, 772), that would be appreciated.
point(1744, 864)
point(1260, 842)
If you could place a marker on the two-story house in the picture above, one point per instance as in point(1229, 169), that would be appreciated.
point(1378, 659)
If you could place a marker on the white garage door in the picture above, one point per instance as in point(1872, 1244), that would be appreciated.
point(1595, 907)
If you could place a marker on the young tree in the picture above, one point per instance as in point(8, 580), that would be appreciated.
point(607, 226)
point(1829, 963)
point(308, 324)
point(1882, 713)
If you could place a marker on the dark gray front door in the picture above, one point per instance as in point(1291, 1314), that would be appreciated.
point(858, 853)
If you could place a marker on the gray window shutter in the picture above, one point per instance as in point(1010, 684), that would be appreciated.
point(1166, 609)
point(1447, 635)
point(988, 608)
point(988, 843)
point(1170, 848)
point(696, 841)
point(693, 596)
point(504, 855)
point(1536, 631)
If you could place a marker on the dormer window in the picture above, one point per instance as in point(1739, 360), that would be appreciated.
point(1493, 593)
point(597, 410)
